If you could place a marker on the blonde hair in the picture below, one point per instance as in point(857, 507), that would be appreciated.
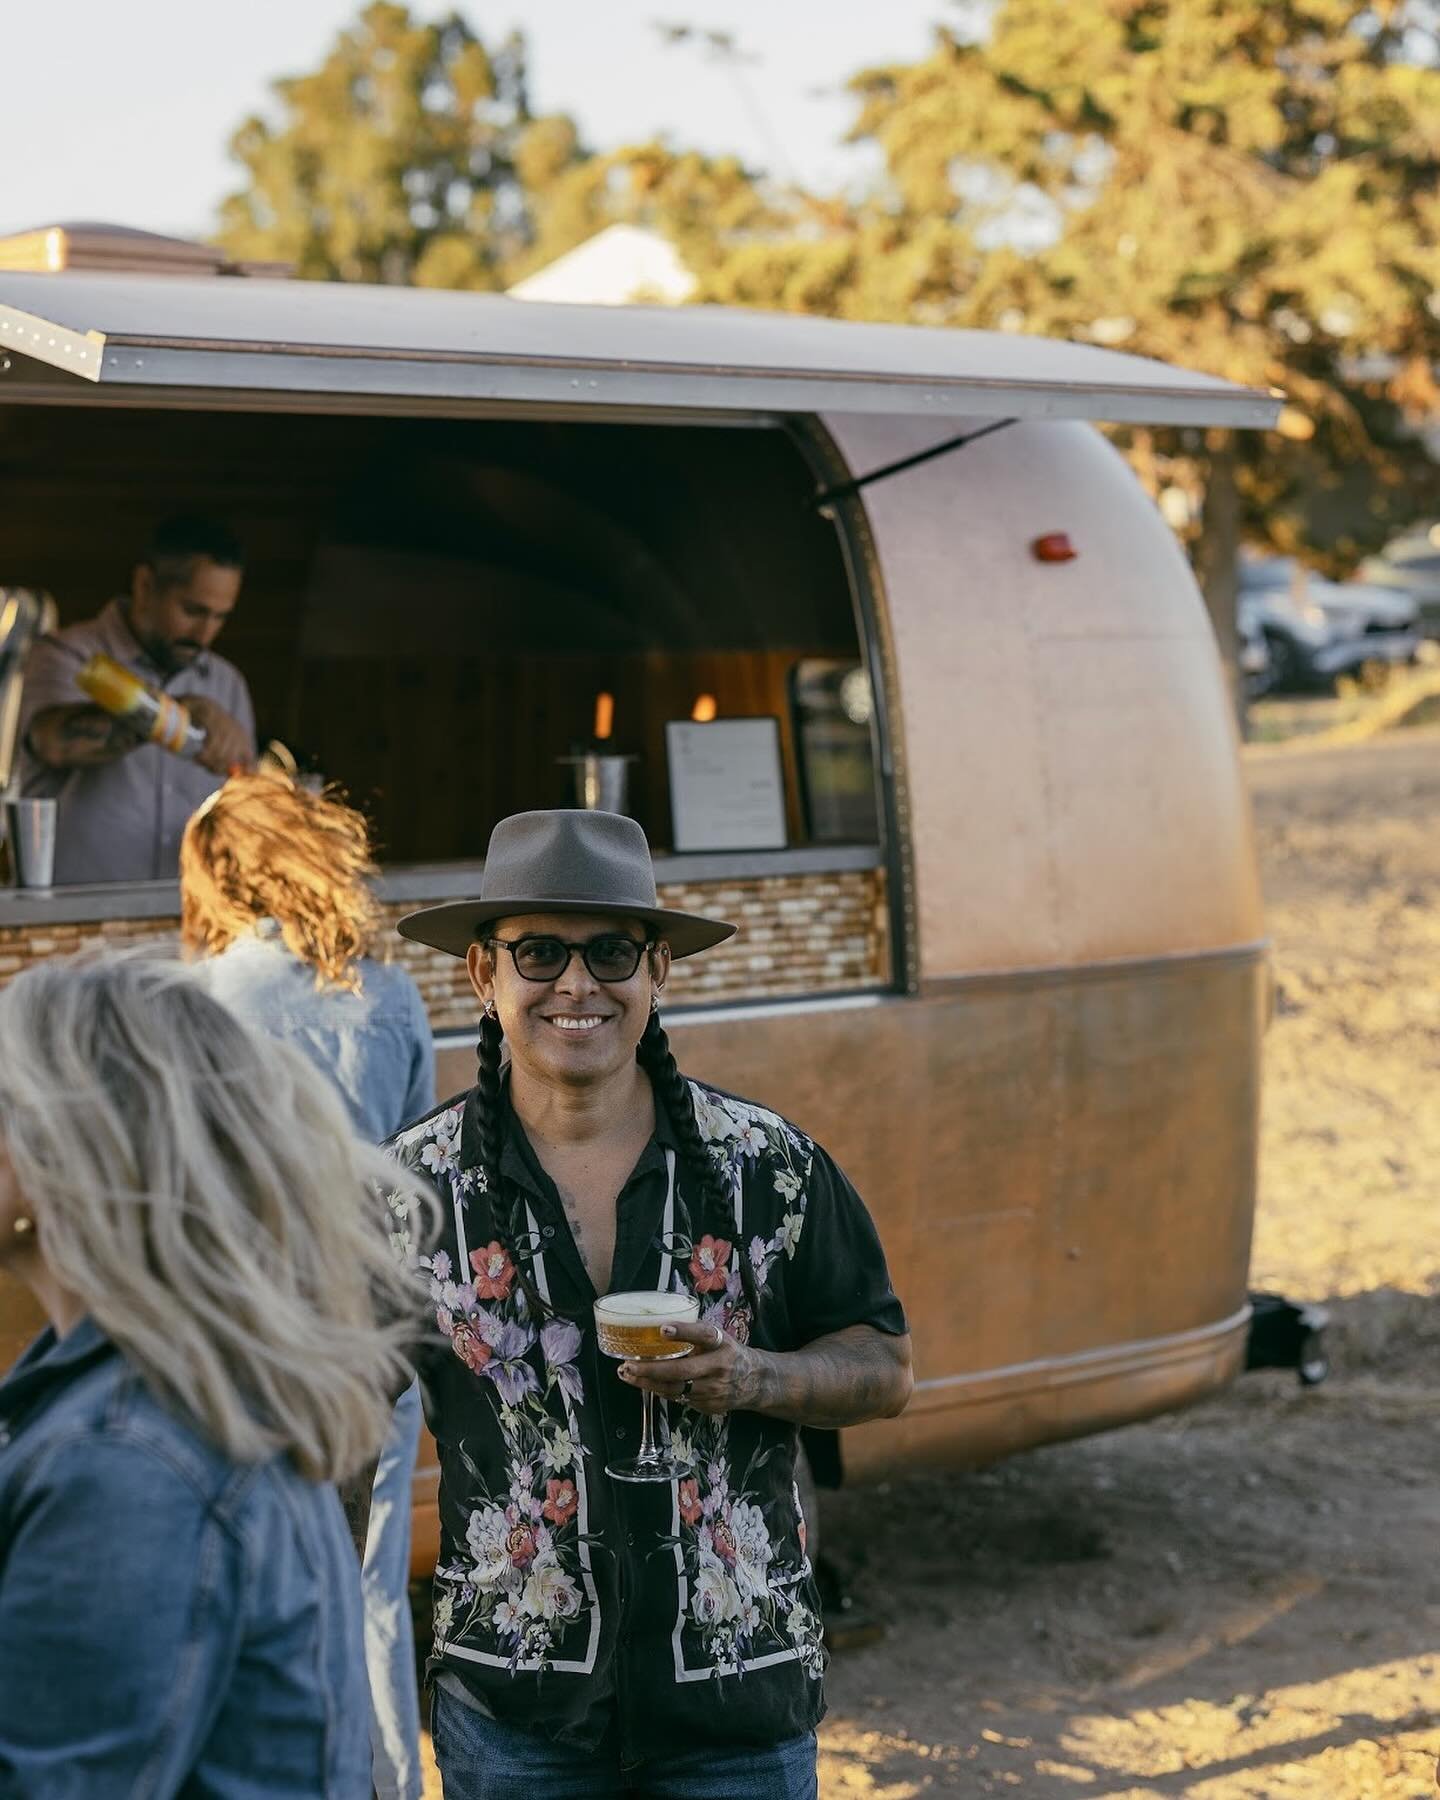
point(200, 1190)
point(262, 847)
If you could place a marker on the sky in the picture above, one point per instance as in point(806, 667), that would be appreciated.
point(120, 110)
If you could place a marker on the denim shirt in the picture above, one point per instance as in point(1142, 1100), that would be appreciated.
point(376, 1046)
point(172, 1623)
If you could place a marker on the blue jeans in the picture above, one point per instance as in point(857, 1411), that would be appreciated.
point(389, 1635)
point(481, 1759)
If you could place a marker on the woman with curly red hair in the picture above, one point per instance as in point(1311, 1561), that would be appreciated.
point(275, 893)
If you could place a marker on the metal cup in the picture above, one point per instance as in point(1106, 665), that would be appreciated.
point(602, 781)
point(30, 825)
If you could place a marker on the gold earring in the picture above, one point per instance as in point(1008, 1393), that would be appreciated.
point(22, 1226)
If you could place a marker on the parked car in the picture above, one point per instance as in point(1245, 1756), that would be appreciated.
point(1317, 630)
point(1410, 563)
point(1255, 671)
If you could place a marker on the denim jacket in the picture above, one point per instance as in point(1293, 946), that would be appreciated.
point(376, 1046)
point(172, 1623)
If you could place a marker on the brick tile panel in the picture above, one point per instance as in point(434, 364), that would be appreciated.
point(798, 934)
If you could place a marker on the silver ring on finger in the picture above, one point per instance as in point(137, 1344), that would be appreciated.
point(685, 1387)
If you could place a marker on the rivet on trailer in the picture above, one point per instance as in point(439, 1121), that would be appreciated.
point(1002, 943)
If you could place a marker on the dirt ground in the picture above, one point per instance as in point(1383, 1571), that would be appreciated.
point(1243, 1601)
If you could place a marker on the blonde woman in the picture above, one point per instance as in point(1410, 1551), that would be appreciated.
point(275, 895)
point(179, 1602)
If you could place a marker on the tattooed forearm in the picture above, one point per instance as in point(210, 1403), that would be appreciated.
point(852, 1375)
point(75, 737)
point(841, 1379)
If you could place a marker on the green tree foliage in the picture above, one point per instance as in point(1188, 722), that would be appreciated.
point(410, 155)
point(1243, 186)
point(710, 207)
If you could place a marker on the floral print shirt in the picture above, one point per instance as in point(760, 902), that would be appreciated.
point(589, 1609)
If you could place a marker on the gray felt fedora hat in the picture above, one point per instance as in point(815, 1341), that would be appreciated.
point(565, 861)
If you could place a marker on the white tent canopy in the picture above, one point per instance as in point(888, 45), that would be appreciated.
point(620, 266)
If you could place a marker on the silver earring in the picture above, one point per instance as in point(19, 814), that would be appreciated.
point(489, 1009)
point(22, 1226)
point(655, 1001)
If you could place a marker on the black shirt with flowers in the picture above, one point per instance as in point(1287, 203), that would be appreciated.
point(592, 1610)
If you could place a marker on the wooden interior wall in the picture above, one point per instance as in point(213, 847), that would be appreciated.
point(656, 563)
point(81, 489)
point(438, 750)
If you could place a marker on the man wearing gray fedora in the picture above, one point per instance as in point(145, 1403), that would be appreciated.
point(618, 1610)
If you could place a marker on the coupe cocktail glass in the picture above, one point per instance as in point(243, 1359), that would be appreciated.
point(628, 1326)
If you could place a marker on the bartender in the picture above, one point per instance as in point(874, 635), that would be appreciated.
point(124, 801)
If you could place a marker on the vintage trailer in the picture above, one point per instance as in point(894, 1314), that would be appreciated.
point(1010, 965)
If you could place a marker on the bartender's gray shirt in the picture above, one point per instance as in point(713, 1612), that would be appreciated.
point(121, 821)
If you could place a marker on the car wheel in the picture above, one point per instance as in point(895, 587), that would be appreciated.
point(1314, 1364)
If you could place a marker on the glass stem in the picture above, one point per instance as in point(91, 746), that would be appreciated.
point(647, 1426)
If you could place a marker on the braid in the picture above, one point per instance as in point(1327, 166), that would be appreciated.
point(487, 1057)
point(658, 1061)
point(507, 1208)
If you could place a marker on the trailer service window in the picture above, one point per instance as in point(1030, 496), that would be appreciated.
point(431, 608)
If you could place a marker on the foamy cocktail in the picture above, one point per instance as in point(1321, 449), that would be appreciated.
point(629, 1325)
point(630, 1328)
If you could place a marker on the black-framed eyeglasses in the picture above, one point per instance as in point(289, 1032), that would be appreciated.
point(609, 958)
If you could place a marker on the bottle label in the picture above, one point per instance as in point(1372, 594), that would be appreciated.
point(163, 720)
point(172, 724)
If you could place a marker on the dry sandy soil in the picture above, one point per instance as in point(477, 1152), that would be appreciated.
point(1243, 1601)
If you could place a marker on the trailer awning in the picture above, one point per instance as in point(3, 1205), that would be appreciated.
point(231, 342)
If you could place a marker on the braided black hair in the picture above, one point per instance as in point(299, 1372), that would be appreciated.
point(507, 1206)
point(717, 1209)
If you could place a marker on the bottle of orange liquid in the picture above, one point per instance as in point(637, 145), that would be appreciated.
point(154, 715)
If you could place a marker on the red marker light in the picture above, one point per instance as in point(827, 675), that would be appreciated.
point(1054, 547)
